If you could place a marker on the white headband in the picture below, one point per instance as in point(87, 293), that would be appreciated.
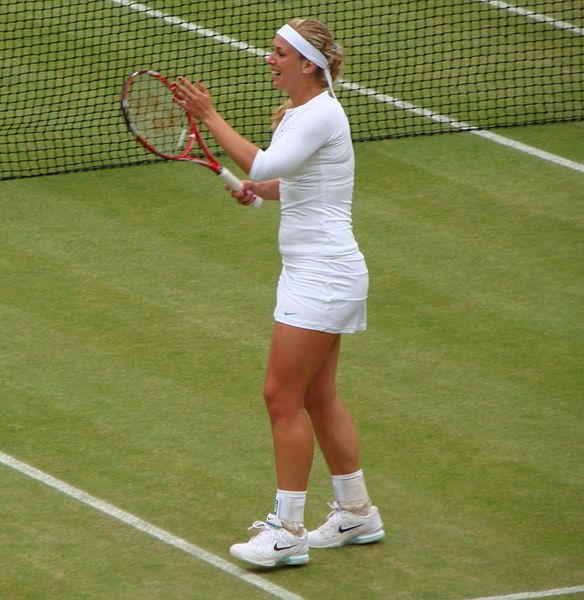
point(307, 50)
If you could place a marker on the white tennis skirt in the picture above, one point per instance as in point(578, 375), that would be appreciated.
point(323, 294)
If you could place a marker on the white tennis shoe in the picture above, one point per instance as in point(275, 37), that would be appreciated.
point(273, 546)
point(343, 527)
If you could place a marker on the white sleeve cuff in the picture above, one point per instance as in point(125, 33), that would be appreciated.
point(256, 168)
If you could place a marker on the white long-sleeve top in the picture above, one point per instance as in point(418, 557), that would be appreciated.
point(311, 153)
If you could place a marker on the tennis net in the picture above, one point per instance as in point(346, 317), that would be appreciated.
point(412, 67)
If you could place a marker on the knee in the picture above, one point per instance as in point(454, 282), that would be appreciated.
point(280, 402)
point(318, 399)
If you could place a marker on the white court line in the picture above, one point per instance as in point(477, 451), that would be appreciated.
point(545, 594)
point(530, 14)
point(407, 106)
point(172, 540)
point(178, 22)
point(144, 526)
point(488, 135)
point(554, 158)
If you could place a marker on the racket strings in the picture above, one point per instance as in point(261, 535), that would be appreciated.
point(156, 118)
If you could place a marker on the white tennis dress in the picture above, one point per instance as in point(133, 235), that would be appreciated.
point(324, 280)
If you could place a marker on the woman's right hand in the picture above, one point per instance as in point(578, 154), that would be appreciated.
point(246, 195)
point(268, 190)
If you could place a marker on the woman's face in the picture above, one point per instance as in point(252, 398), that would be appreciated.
point(286, 65)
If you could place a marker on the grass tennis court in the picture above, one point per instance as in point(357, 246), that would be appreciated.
point(136, 311)
point(136, 314)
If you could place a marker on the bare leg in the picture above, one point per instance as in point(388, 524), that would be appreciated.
point(331, 420)
point(296, 357)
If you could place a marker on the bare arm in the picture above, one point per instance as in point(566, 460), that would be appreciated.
point(268, 190)
point(196, 100)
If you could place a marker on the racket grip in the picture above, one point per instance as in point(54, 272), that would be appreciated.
point(235, 184)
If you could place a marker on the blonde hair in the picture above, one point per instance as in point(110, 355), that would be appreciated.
point(319, 35)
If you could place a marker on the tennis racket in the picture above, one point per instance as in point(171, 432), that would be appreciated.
point(164, 128)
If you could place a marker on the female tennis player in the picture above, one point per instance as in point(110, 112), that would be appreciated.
point(321, 294)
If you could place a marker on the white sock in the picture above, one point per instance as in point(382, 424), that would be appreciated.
point(289, 506)
point(350, 489)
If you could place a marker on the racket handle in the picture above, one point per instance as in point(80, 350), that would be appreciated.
point(235, 184)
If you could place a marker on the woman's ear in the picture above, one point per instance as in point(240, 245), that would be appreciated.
point(308, 67)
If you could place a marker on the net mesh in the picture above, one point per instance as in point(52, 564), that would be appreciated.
point(412, 67)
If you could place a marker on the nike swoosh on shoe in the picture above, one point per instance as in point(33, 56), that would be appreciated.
point(278, 548)
point(345, 529)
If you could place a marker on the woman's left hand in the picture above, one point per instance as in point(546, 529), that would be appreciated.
point(194, 99)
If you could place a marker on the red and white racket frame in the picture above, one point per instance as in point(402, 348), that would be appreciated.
point(194, 135)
